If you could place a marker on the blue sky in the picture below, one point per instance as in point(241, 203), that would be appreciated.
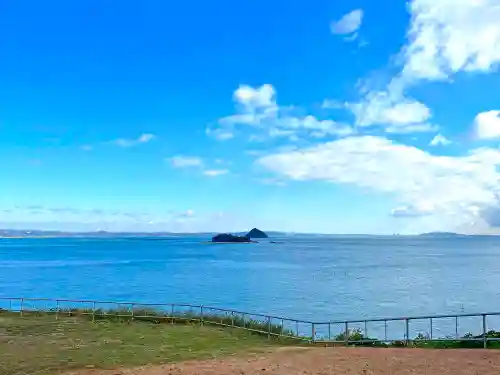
point(332, 117)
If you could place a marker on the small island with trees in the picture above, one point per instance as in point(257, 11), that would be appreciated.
point(232, 238)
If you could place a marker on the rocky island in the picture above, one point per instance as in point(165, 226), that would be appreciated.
point(256, 233)
point(231, 238)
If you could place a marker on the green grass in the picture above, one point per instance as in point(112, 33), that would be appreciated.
point(460, 343)
point(43, 345)
point(423, 341)
point(262, 326)
point(38, 343)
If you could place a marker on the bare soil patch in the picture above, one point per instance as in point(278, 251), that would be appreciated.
point(332, 361)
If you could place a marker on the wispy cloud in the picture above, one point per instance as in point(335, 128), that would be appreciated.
point(333, 104)
point(185, 214)
point(181, 161)
point(439, 140)
point(392, 111)
point(257, 109)
point(215, 172)
point(143, 138)
point(223, 162)
point(220, 134)
point(348, 25)
point(272, 181)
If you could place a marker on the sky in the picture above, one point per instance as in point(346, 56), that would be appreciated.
point(324, 117)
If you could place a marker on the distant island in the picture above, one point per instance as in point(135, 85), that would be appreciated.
point(247, 238)
point(231, 238)
point(256, 233)
point(442, 234)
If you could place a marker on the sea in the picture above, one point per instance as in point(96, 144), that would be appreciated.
point(320, 278)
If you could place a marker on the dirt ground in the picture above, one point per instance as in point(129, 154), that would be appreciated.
point(333, 361)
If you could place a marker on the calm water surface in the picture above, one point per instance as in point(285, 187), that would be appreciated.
point(317, 278)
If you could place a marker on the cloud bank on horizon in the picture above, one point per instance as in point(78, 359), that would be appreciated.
point(415, 140)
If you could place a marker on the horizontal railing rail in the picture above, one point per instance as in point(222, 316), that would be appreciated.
point(411, 329)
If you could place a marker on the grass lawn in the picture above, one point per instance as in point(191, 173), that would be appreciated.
point(44, 345)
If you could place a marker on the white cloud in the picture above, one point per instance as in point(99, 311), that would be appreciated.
point(449, 36)
point(419, 210)
point(348, 24)
point(221, 134)
point(255, 98)
point(87, 148)
point(272, 181)
point(487, 125)
point(439, 139)
point(223, 161)
point(457, 188)
point(143, 138)
point(393, 111)
point(444, 37)
point(333, 104)
point(184, 214)
point(412, 128)
point(181, 161)
point(257, 108)
point(215, 172)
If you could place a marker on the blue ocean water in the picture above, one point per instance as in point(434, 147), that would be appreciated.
point(317, 278)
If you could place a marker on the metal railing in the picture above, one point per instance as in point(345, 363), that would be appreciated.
point(161, 312)
point(431, 328)
point(415, 329)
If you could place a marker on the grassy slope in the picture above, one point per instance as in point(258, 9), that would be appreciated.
point(42, 345)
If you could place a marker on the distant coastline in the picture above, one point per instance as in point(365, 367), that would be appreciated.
point(443, 234)
point(20, 234)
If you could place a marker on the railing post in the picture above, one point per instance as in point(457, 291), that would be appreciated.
point(93, 311)
point(366, 330)
point(22, 305)
point(201, 315)
point(456, 327)
point(407, 331)
point(329, 331)
point(232, 319)
point(346, 334)
point(172, 313)
point(132, 306)
point(385, 330)
point(268, 327)
point(485, 339)
point(57, 309)
point(313, 332)
point(431, 327)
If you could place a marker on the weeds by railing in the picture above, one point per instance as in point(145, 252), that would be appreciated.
point(352, 332)
point(269, 325)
